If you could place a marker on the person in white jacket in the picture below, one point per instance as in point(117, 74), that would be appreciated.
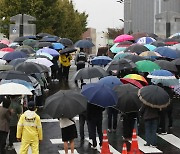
point(69, 133)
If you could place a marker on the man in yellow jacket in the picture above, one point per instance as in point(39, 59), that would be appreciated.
point(29, 130)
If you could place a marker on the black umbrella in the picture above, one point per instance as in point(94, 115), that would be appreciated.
point(137, 48)
point(20, 39)
point(65, 103)
point(128, 100)
point(8, 75)
point(66, 41)
point(26, 49)
point(154, 96)
point(90, 72)
point(30, 42)
point(49, 39)
point(68, 50)
point(120, 64)
point(14, 55)
point(158, 43)
point(43, 44)
point(41, 35)
point(84, 44)
point(15, 62)
point(2, 45)
point(166, 65)
point(134, 58)
point(30, 68)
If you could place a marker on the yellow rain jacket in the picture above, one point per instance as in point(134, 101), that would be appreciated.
point(65, 60)
point(29, 130)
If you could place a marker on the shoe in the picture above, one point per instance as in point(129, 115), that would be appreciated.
point(146, 144)
point(10, 148)
point(170, 130)
point(165, 133)
point(153, 146)
point(109, 130)
point(95, 148)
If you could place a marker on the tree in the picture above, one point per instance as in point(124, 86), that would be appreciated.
point(114, 32)
point(57, 17)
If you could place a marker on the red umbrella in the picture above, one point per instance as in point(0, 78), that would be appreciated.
point(7, 49)
point(131, 81)
point(122, 38)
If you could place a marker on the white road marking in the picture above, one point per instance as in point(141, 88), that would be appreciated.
point(49, 120)
point(114, 151)
point(69, 151)
point(17, 147)
point(172, 139)
point(56, 141)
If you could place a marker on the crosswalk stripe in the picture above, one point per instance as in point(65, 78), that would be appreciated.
point(56, 141)
point(99, 149)
point(172, 139)
point(17, 147)
point(69, 151)
point(56, 120)
point(146, 149)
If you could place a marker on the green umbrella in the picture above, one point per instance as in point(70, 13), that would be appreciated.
point(146, 66)
point(121, 55)
point(30, 42)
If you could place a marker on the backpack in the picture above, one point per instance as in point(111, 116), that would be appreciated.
point(81, 57)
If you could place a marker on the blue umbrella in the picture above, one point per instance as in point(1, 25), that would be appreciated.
point(50, 51)
point(161, 74)
point(116, 49)
point(145, 40)
point(14, 55)
point(167, 52)
point(84, 44)
point(101, 60)
point(99, 94)
point(150, 47)
point(57, 46)
point(110, 81)
point(25, 83)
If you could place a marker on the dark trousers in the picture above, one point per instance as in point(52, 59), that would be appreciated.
point(162, 121)
point(12, 135)
point(128, 126)
point(112, 118)
point(3, 136)
point(95, 124)
point(82, 120)
point(65, 72)
point(79, 66)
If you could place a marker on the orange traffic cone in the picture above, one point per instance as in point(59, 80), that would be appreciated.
point(134, 144)
point(124, 149)
point(105, 144)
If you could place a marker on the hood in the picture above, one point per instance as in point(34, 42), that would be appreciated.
point(30, 114)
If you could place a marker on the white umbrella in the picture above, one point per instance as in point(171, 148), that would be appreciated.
point(3, 61)
point(42, 61)
point(2, 53)
point(14, 89)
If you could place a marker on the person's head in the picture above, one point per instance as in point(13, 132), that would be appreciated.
point(81, 50)
point(31, 105)
point(6, 102)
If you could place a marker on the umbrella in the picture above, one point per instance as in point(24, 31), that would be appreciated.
point(42, 61)
point(26, 49)
point(177, 89)
point(66, 41)
point(68, 50)
point(152, 35)
point(150, 47)
point(65, 103)
point(50, 51)
point(30, 42)
point(170, 41)
point(3, 61)
point(146, 66)
point(166, 82)
point(116, 49)
point(101, 60)
point(161, 74)
point(137, 48)
point(166, 65)
point(41, 35)
point(2, 45)
point(158, 43)
point(99, 94)
point(14, 89)
point(5, 41)
point(30, 68)
point(5, 67)
point(123, 37)
point(137, 35)
point(90, 72)
point(110, 81)
point(145, 40)
point(17, 61)
point(8, 49)
point(154, 96)
point(121, 64)
point(8, 75)
point(57, 46)
point(150, 55)
point(20, 39)
point(43, 44)
point(44, 55)
point(136, 77)
point(2, 53)
point(166, 52)
point(49, 39)
point(176, 61)
point(25, 83)
point(14, 45)
point(13, 55)
point(134, 58)
point(128, 100)
point(175, 34)
point(131, 81)
point(122, 55)
point(84, 44)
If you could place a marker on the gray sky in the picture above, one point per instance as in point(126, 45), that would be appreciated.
point(103, 14)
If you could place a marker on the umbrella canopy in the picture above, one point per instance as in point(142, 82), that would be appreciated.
point(68, 50)
point(134, 58)
point(122, 55)
point(42, 61)
point(44, 55)
point(177, 89)
point(110, 81)
point(166, 65)
point(131, 81)
point(5, 41)
point(145, 40)
point(17, 61)
point(50, 51)
point(14, 55)
point(158, 44)
point(3, 61)
point(137, 35)
point(8, 49)
point(2, 45)
point(41, 35)
point(57, 46)
point(49, 39)
point(116, 49)
point(154, 96)
point(128, 100)
point(121, 64)
point(99, 94)
point(161, 74)
point(8, 75)
point(137, 48)
point(150, 47)
point(150, 55)
point(101, 60)
point(5, 67)
point(26, 49)
point(2, 53)
point(84, 44)
point(66, 41)
point(29, 68)
point(136, 77)
point(14, 89)
point(166, 82)
point(66, 104)
point(20, 39)
point(146, 66)
point(90, 72)
point(30, 42)
point(122, 38)
point(42, 45)
point(176, 61)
